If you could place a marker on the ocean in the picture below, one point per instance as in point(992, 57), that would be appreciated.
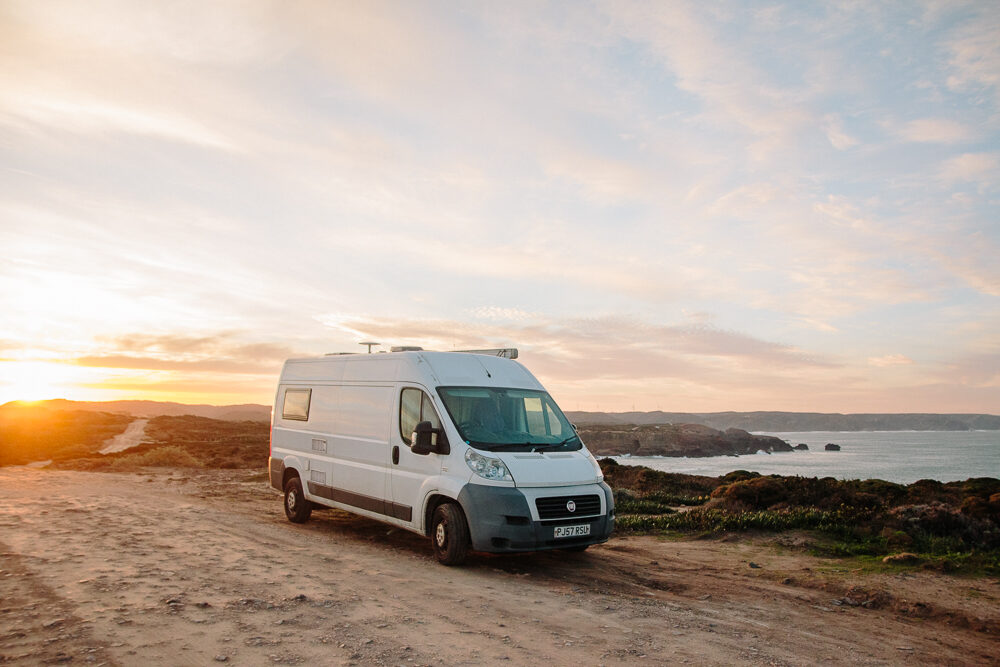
point(895, 456)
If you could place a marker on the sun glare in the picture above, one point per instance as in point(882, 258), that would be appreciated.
point(41, 380)
point(33, 381)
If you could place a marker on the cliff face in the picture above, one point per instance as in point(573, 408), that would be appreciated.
point(675, 440)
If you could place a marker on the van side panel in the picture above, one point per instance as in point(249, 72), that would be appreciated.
point(359, 447)
point(361, 413)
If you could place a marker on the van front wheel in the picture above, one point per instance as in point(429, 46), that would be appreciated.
point(450, 534)
point(297, 508)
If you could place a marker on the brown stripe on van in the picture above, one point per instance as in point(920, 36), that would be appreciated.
point(377, 505)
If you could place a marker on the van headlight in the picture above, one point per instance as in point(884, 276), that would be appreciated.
point(597, 468)
point(487, 467)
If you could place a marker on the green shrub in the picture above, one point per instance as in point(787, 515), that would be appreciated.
point(159, 456)
point(738, 476)
point(718, 520)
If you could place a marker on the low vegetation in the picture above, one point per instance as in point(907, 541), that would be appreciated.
point(32, 433)
point(190, 442)
point(951, 526)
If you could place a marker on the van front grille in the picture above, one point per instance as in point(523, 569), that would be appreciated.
point(556, 507)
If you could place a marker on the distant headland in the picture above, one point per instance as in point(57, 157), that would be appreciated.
point(780, 422)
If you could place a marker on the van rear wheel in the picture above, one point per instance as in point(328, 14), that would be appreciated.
point(450, 534)
point(297, 508)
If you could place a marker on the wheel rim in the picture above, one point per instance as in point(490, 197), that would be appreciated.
point(441, 535)
point(291, 501)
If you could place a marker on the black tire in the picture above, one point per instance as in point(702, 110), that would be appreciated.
point(450, 534)
point(297, 508)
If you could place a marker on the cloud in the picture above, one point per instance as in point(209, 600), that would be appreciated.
point(834, 128)
point(934, 130)
point(165, 343)
point(497, 313)
point(890, 360)
point(80, 114)
point(603, 346)
point(974, 53)
point(158, 364)
point(980, 168)
point(977, 370)
point(222, 352)
point(731, 88)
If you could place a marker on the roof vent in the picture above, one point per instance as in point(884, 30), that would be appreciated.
point(406, 348)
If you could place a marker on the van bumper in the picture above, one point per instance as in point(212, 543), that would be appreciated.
point(501, 520)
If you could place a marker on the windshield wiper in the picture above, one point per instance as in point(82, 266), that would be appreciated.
point(556, 444)
point(532, 446)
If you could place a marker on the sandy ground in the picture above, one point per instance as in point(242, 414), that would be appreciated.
point(176, 568)
point(130, 437)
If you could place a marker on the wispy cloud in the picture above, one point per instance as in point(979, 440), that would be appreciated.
point(982, 168)
point(591, 343)
point(94, 116)
point(890, 360)
point(839, 138)
point(974, 50)
point(935, 130)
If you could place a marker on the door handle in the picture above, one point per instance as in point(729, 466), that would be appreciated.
point(395, 455)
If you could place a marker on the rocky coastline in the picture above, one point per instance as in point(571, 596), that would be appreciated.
point(691, 440)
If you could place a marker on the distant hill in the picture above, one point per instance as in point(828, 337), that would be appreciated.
point(798, 421)
point(243, 412)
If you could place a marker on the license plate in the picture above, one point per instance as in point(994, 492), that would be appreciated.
point(571, 531)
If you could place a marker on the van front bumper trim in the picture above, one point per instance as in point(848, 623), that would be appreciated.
point(490, 508)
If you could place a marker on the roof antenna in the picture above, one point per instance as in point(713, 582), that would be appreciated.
point(370, 346)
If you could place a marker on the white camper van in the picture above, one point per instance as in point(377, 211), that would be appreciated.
point(466, 448)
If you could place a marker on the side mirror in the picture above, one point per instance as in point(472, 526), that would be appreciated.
point(425, 442)
point(421, 438)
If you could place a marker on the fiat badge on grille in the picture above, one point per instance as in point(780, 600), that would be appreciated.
point(570, 506)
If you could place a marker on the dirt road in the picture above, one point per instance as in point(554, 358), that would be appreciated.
point(174, 568)
point(131, 437)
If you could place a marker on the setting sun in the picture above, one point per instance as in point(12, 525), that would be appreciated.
point(35, 381)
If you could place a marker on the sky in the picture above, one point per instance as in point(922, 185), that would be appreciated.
point(664, 205)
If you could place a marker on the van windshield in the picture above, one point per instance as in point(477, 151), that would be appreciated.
point(509, 419)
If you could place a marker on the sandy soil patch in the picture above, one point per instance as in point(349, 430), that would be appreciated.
point(172, 567)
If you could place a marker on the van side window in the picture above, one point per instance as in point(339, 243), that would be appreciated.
point(414, 407)
point(296, 404)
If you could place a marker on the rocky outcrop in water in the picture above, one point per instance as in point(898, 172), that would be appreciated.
point(676, 440)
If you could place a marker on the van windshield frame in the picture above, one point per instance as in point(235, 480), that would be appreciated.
point(509, 419)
